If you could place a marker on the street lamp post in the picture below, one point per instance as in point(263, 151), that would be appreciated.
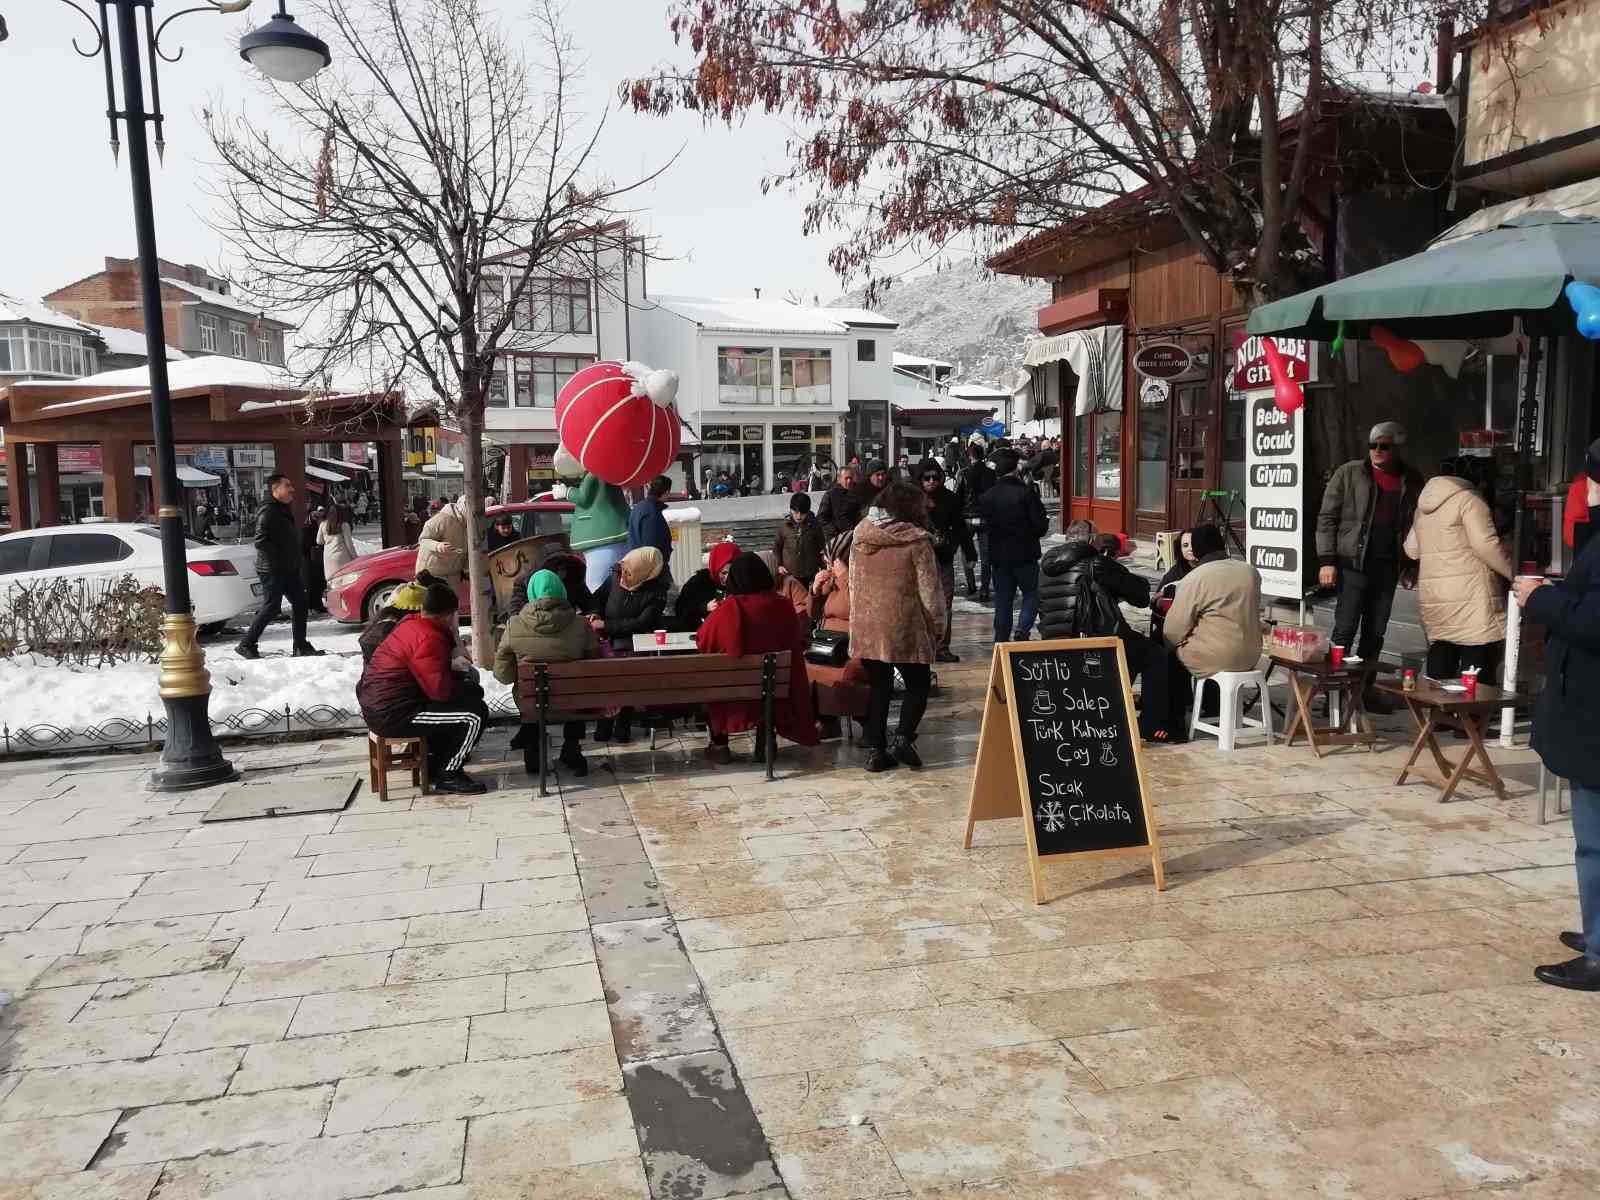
point(190, 756)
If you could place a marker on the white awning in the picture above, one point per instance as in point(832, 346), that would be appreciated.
point(187, 476)
point(326, 475)
point(1581, 199)
point(1095, 356)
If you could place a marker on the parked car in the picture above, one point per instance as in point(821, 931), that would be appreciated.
point(222, 579)
point(364, 584)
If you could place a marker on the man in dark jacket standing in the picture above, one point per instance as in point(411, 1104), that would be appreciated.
point(1366, 514)
point(1565, 717)
point(950, 533)
point(278, 563)
point(409, 690)
point(976, 478)
point(1013, 518)
point(647, 523)
point(800, 541)
point(840, 510)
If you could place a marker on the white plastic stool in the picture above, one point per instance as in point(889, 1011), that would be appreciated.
point(1230, 719)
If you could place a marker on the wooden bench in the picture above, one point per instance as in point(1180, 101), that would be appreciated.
point(550, 693)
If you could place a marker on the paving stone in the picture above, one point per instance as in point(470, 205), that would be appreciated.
point(622, 893)
point(508, 1151)
point(400, 1004)
point(66, 1091)
point(326, 1168)
point(169, 993)
point(138, 962)
point(554, 986)
point(539, 1031)
point(362, 937)
point(294, 889)
point(164, 1131)
point(481, 925)
point(460, 959)
point(268, 981)
point(185, 904)
point(473, 1089)
point(335, 1056)
point(64, 1045)
point(46, 1147)
point(230, 1025)
point(350, 910)
point(657, 1007)
point(115, 1183)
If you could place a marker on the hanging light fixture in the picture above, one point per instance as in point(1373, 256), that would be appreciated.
point(283, 51)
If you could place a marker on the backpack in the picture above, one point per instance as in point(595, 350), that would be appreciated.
point(1095, 613)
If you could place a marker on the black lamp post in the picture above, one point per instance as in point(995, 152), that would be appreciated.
point(190, 756)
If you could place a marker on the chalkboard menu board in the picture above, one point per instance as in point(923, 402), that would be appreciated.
point(1060, 748)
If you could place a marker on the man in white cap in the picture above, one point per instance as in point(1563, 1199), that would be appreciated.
point(1366, 513)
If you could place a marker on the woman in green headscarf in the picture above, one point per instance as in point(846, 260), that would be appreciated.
point(547, 629)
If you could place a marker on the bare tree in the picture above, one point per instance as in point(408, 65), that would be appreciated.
point(425, 193)
point(930, 121)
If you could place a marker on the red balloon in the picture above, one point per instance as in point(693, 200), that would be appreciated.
point(1286, 393)
point(1404, 355)
point(613, 429)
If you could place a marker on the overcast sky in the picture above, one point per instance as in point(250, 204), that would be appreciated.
point(65, 205)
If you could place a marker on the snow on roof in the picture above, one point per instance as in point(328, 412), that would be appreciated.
point(979, 391)
point(955, 406)
point(129, 341)
point(916, 360)
point(211, 370)
point(753, 316)
point(219, 299)
point(13, 308)
point(864, 316)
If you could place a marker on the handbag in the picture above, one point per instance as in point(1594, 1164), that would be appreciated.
point(828, 647)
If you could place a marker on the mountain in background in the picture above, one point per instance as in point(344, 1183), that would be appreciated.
point(963, 315)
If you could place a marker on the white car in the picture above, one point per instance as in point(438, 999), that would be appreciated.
point(222, 579)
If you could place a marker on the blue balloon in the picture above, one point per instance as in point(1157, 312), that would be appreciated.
point(1585, 301)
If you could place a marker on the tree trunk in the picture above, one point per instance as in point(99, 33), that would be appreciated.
point(477, 567)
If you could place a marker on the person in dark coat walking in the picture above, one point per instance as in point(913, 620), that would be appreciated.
point(311, 559)
point(841, 509)
point(800, 541)
point(976, 478)
point(950, 533)
point(279, 562)
point(1014, 520)
point(1565, 717)
point(647, 522)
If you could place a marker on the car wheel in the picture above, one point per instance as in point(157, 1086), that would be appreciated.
point(378, 598)
point(212, 628)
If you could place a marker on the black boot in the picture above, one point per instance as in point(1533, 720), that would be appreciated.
point(1581, 974)
point(1573, 941)
point(972, 583)
point(571, 757)
point(905, 751)
point(307, 650)
point(983, 596)
point(880, 760)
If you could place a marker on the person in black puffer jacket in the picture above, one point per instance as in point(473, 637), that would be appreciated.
point(636, 602)
point(950, 533)
point(1081, 585)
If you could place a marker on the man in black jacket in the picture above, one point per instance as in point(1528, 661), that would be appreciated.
point(840, 510)
point(950, 533)
point(1081, 586)
point(976, 478)
point(278, 564)
point(1013, 518)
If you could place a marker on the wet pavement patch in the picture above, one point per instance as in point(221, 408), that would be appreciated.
point(698, 1131)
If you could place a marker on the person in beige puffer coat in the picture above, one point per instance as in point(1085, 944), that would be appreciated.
point(1463, 604)
point(442, 545)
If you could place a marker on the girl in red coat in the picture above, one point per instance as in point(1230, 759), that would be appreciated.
point(754, 619)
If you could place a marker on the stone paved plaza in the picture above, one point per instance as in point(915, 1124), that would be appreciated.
point(681, 981)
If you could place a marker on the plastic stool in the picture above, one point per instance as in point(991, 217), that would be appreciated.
point(1230, 719)
point(385, 754)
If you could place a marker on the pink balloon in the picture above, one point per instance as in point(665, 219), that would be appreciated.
point(1286, 393)
point(1404, 355)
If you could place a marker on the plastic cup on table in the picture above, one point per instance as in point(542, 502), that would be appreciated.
point(661, 637)
point(1469, 681)
point(1336, 656)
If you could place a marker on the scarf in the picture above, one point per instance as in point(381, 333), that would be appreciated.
point(640, 566)
point(721, 555)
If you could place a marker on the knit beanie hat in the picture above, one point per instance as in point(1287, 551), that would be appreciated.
point(408, 596)
point(721, 555)
point(545, 584)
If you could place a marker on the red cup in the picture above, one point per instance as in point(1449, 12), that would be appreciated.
point(1470, 682)
point(1336, 656)
point(661, 637)
point(1529, 567)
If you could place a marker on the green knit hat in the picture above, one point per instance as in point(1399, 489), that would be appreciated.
point(545, 584)
point(408, 597)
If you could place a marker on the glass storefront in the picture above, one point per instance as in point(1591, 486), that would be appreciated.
point(1155, 442)
point(733, 459)
point(796, 447)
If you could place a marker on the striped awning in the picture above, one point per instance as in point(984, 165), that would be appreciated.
point(1095, 356)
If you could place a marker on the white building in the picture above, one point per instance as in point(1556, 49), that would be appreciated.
point(579, 311)
point(772, 387)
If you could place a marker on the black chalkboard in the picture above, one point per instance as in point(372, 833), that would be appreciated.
point(1059, 747)
point(1077, 750)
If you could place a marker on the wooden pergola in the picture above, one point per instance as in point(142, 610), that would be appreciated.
point(116, 417)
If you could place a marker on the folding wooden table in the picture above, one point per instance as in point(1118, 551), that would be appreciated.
point(1347, 682)
point(1434, 708)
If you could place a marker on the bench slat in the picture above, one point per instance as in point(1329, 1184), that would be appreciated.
point(641, 666)
point(660, 687)
point(529, 706)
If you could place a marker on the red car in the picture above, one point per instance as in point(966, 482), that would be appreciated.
point(364, 585)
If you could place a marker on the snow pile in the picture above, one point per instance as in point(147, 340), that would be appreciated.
point(964, 315)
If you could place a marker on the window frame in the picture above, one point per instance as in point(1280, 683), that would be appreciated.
point(764, 387)
point(55, 539)
point(239, 339)
point(790, 359)
point(209, 328)
point(549, 304)
point(867, 350)
point(264, 346)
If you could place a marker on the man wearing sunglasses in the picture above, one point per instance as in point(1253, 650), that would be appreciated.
point(1366, 513)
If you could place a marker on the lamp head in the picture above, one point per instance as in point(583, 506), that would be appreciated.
point(283, 51)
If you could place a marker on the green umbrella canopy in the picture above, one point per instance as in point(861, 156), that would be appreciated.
point(1472, 287)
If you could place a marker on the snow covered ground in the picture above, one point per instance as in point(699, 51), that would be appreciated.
point(77, 698)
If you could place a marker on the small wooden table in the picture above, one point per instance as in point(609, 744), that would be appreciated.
point(1434, 708)
point(1308, 680)
point(677, 643)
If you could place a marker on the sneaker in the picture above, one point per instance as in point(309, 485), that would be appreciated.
point(244, 650)
point(906, 752)
point(880, 760)
point(947, 656)
point(459, 783)
point(307, 650)
point(719, 753)
point(572, 758)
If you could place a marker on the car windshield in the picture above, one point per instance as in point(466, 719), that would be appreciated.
point(189, 542)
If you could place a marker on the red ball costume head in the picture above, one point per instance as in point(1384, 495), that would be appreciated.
point(617, 420)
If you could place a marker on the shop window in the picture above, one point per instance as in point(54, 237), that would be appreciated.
point(796, 448)
point(1155, 443)
point(744, 375)
point(1108, 456)
point(1234, 437)
point(807, 377)
point(732, 459)
point(1082, 454)
point(866, 350)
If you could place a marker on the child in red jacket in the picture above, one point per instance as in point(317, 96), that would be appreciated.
point(409, 690)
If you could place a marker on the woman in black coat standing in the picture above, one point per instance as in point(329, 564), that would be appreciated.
point(1565, 717)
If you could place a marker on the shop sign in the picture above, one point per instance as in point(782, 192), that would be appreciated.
point(247, 456)
point(210, 457)
point(755, 433)
point(1162, 360)
point(719, 433)
point(791, 433)
point(357, 452)
point(75, 460)
point(1274, 497)
point(1250, 373)
point(1153, 393)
